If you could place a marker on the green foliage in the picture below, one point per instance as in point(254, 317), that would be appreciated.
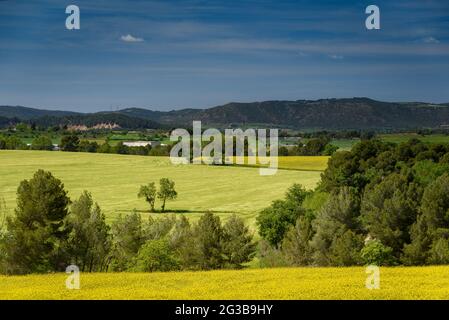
point(12, 143)
point(87, 146)
point(389, 208)
point(37, 234)
point(439, 251)
point(209, 237)
point(70, 143)
point(3, 262)
point(159, 228)
point(166, 191)
point(89, 238)
point(329, 149)
point(427, 171)
point(296, 244)
point(159, 151)
point(269, 256)
point(315, 200)
point(376, 253)
point(275, 220)
point(128, 237)
point(237, 243)
point(105, 148)
point(349, 168)
point(155, 255)
point(431, 229)
point(120, 148)
point(315, 147)
point(337, 240)
point(148, 192)
point(345, 249)
point(183, 242)
point(42, 143)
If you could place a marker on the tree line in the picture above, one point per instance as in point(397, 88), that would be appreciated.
point(49, 231)
point(72, 143)
point(379, 203)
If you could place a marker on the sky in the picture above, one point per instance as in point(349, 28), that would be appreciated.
point(166, 55)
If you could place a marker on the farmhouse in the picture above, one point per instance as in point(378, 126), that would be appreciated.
point(142, 143)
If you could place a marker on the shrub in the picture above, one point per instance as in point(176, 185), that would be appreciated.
point(155, 255)
point(375, 253)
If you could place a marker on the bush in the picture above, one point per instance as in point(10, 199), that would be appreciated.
point(70, 143)
point(275, 220)
point(270, 257)
point(42, 143)
point(375, 253)
point(155, 255)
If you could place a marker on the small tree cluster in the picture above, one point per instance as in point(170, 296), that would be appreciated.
point(168, 243)
point(166, 192)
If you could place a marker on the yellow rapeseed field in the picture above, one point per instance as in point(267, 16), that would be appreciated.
point(279, 283)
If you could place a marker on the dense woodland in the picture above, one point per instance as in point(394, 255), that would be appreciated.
point(379, 203)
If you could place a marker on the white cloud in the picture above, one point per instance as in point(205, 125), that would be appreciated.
point(430, 40)
point(336, 57)
point(130, 38)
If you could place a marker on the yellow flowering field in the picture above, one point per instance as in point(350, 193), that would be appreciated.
point(279, 283)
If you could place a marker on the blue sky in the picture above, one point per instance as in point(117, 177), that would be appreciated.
point(206, 53)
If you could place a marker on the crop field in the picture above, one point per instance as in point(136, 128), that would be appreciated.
point(301, 163)
point(280, 283)
point(305, 163)
point(345, 144)
point(114, 181)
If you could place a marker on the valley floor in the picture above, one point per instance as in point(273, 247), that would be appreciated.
point(279, 283)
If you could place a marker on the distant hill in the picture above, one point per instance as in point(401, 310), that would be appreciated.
point(93, 119)
point(7, 121)
point(330, 114)
point(354, 113)
point(46, 118)
point(25, 113)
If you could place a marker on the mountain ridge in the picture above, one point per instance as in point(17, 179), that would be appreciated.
point(333, 114)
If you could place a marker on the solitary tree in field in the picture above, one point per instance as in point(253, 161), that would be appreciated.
point(166, 191)
point(149, 193)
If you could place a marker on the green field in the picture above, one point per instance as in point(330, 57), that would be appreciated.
point(280, 283)
point(344, 144)
point(301, 163)
point(114, 181)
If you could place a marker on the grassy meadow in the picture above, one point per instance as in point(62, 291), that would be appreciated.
point(301, 163)
point(279, 283)
point(114, 181)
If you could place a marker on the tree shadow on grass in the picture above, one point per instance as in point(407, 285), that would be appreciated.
point(179, 211)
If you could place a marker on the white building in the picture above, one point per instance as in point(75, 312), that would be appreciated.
point(142, 143)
